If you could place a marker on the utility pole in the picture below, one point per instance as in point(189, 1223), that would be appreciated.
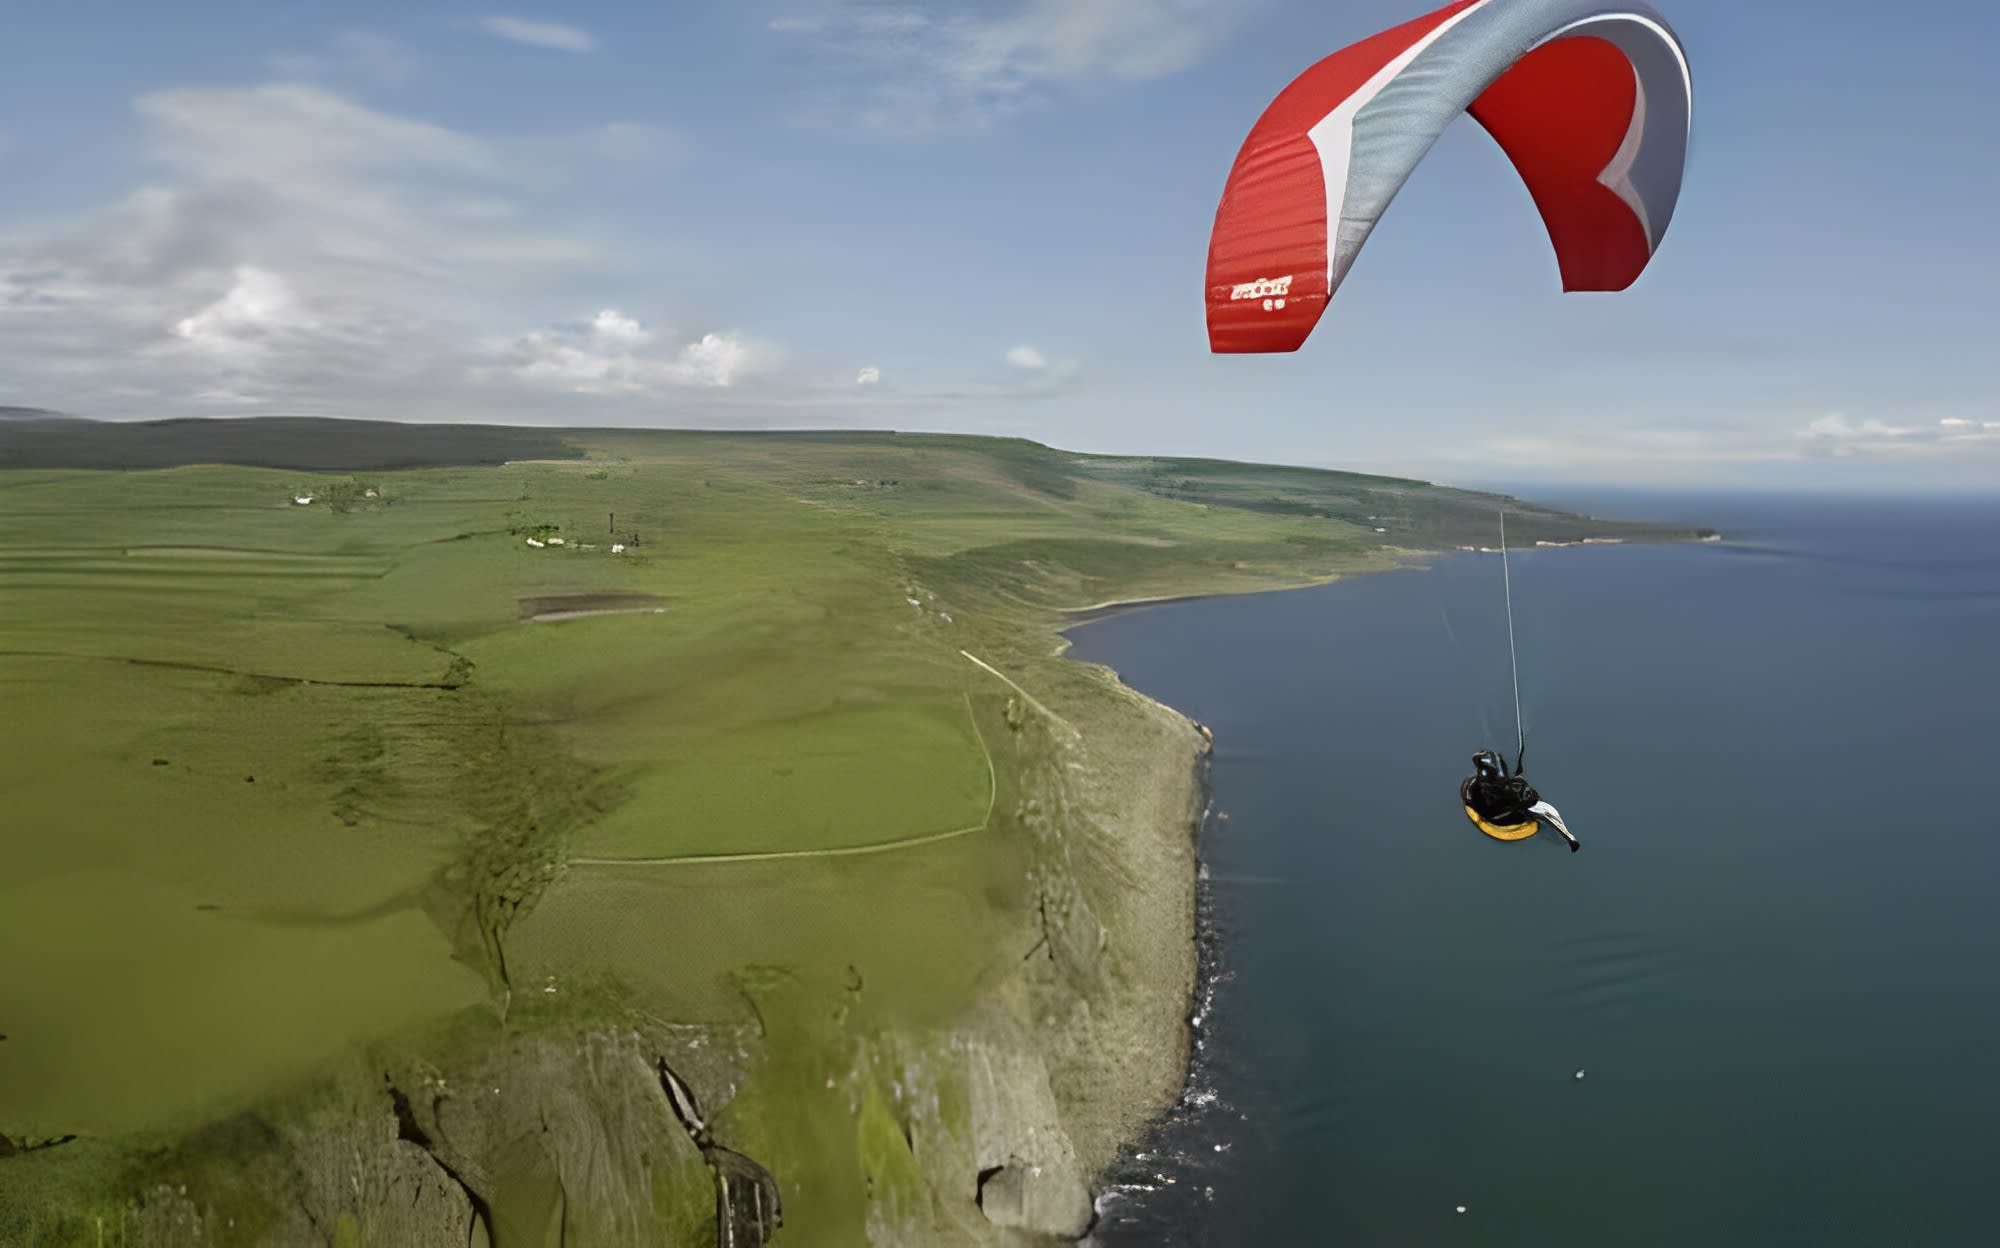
point(612, 527)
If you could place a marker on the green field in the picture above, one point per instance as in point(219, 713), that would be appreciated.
point(284, 781)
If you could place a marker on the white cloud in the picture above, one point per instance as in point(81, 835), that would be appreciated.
point(1130, 39)
point(258, 307)
point(293, 249)
point(539, 34)
point(297, 144)
point(1612, 444)
point(352, 54)
point(1027, 357)
point(715, 360)
point(914, 73)
point(611, 356)
point(283, 231)
point(1837, 435)
point(1958, 430)
point(612, 325)
point(286, 249)
point(1835, 426)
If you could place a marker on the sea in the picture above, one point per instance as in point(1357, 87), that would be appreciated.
point(1759, 1007)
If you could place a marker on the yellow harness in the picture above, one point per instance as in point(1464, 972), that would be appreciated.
point(1498, 831)
point(1504, 831)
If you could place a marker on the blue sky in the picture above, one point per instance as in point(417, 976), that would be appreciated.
point(731, 214)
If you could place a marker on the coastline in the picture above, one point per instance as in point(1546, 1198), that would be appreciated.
point(1112, 608)
point(1135, 1167)
point(1167, 911)
point(1397, 559)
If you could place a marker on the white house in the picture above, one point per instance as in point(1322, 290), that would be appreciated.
point(555, 541)
point(617, 548)
point(302, 499)
point(532, 542)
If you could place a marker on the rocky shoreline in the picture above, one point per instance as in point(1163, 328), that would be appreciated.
point(1158, 1157)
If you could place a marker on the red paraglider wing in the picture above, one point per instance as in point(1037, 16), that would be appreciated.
point(1563, 115)
point(1273, 218)
point(1591, 103)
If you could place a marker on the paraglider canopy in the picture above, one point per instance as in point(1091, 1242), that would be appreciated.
point(1591, 102)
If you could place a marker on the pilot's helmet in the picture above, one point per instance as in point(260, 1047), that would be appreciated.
point(1487, 763)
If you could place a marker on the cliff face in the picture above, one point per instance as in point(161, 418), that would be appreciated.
point(1086, 1039)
